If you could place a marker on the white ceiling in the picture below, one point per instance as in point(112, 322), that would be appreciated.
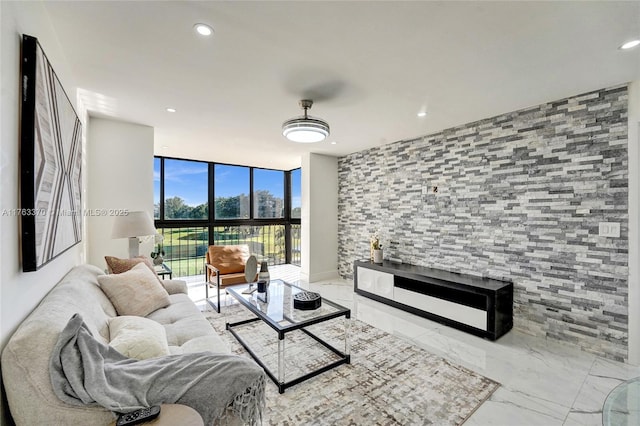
point(369, 66)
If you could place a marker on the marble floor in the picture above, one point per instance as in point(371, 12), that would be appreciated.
point(543, 382)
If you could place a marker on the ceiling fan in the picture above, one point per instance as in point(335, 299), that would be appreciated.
point(305, 129)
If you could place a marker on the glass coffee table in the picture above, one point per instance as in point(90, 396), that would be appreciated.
point(622, 406)
point(275, 308)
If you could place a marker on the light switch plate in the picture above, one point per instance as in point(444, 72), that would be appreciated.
point(609, 229)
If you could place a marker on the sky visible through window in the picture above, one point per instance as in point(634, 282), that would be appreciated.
point(186, 179)
point(269, 180)
point(156, 188)
point(296, 189)
point(231, 181)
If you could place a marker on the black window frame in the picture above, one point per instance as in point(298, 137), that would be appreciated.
point(212, 222)
point(162, 194)
point(212, 192)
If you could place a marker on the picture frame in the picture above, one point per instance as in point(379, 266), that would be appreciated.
point(50, 162)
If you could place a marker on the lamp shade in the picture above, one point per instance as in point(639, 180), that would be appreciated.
point(135, 224)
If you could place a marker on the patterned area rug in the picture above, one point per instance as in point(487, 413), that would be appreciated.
point(389, 380)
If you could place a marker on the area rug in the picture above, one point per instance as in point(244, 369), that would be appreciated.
point(389, 381)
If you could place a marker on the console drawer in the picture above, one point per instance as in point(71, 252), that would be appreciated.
point(375, 282)
point(473, 317)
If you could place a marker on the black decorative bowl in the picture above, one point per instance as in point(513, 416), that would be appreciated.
point(307, 301)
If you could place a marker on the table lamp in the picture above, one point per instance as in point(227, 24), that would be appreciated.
point(132, 226)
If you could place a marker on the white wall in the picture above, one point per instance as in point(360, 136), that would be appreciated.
point(319, 218)
point(21, 292)
point(634, 222)
point(120, 176)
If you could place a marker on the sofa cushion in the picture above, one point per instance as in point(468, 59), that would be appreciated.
point(115, 265)
point(228, 259)
point(135, 292)
point(186, 328)
point(138, 337)
point(175, 286)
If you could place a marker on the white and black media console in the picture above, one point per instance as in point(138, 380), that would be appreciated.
point(481, 306)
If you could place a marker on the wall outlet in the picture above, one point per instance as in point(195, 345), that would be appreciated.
point(609, 229)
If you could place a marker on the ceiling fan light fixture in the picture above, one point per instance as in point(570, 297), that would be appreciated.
point(305, 129)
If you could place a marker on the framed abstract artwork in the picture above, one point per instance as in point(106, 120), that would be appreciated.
point(50, 162)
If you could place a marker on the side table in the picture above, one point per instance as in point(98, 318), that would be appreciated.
point(162, 270)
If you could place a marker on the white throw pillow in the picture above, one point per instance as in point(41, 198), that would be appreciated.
point(138, 337)
point(135, 292)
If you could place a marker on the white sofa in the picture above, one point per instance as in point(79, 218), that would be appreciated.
point(25, 359)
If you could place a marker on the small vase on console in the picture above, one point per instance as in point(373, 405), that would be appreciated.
point(376, 248)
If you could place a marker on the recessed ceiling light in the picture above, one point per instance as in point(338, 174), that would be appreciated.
point(203, 29)
point(171, 110)
point(422, 114)
point(334, 143)
point(630, 44)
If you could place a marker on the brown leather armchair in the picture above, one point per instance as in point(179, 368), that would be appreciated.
point(225, 267)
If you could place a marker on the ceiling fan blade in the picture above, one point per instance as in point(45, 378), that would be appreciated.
point(324, 91)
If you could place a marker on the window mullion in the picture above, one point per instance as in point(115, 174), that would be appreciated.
point(251, 193)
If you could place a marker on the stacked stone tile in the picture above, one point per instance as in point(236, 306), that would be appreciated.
point(519, 197)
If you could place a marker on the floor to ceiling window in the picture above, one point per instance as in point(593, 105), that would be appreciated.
point(232, 186)
point(185, 190)
point(296, 214)
point(199, 203)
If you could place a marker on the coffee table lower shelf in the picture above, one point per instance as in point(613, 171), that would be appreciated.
point(345, 358)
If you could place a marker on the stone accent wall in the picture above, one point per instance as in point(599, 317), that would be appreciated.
point(519, 197)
